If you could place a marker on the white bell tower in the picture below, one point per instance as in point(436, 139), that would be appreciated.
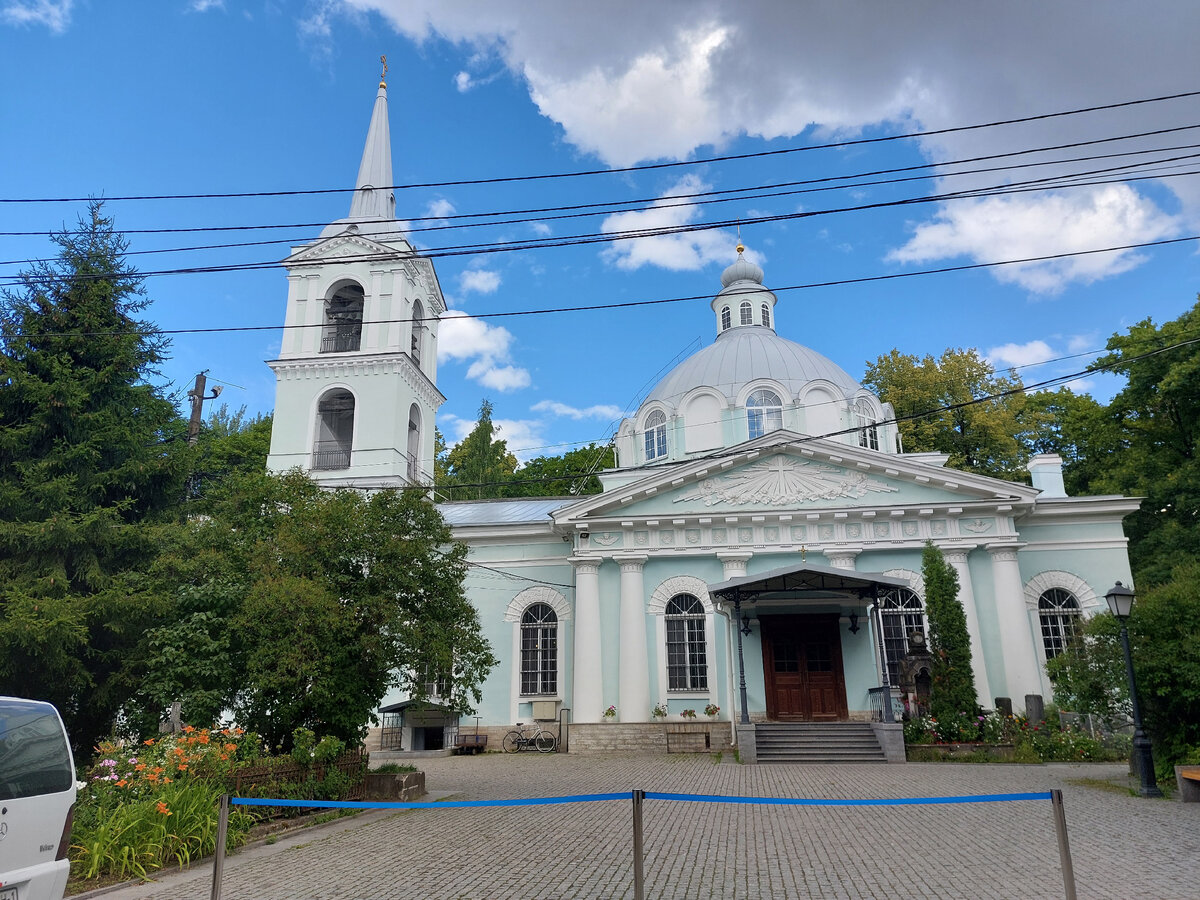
point(356, 379)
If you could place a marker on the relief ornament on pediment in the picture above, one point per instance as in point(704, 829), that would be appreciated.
point(784, 481)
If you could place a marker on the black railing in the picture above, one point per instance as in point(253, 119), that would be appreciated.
point(331, 455)
point(881, 704)
point(341, 341)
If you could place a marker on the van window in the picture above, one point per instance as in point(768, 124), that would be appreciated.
point(34, 756)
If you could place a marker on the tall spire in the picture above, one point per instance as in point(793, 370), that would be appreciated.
point(373, 195)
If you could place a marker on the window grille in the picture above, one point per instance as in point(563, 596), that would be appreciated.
point(868, 429)
point(900, 613)
point(1059, 613)
point(687, 652)
point(766, 315)
point(539, 650)
point(656, 435)
point(726, 318)
point(764, 413)
point(747, 313)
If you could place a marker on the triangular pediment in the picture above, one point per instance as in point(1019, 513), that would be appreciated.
point(786, 473)
point(343, 247)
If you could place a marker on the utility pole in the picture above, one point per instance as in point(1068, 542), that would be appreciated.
point(197, 398)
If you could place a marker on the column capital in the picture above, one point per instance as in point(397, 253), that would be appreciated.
point(585, 565)
point(632, 562)
point(1004, 551)
point(734, 562)
point(842, 558)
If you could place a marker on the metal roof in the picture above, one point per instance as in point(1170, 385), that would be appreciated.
point(811, 580)
point(740, 356)
point(501, 512)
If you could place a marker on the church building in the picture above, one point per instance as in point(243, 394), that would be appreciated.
point(757, 547)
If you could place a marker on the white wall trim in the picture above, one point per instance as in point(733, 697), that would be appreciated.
point(537, 594)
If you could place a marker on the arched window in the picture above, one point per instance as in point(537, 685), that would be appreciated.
point(687, 654)
point(726, 318)
point(868, 430)
point(766, 318)
point(343, 320)
point(1059, 613)
point(656, 435)
point(900, 613)
point(539, 650)
point(335, 430)
point(414, 442)
point(747, 313)
point(764, 413)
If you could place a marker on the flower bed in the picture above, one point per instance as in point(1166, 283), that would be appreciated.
point(151, 804)
point(992, 736)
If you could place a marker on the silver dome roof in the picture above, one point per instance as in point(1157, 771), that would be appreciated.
point(740, 356)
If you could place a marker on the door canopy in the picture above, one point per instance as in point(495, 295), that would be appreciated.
point(805, 582)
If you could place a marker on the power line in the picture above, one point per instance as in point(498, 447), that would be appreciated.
point(614, 207)
point(644, 167)
point(866, 279)
point(612, 237)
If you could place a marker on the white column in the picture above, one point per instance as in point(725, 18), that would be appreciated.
point(844, 558)
point(633, 676)
point(1021, 675)
point(957, 557)
point(588, 697)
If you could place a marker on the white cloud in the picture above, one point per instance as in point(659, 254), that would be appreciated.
point(481, 281)
point(1011, 355)
point(54, 15)
point(439, 208)
point(599, 411)
point(498, 378)
point(677, 252)
point(462, 81)
point(632, 81)
point(996, 228)
point(541, 229)
point(462, 338)
point(202, 6)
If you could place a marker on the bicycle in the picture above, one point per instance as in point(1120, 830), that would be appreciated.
point(518, 739)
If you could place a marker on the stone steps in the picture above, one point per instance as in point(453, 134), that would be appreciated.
point(817, 743)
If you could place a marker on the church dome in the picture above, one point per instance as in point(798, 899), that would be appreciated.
point(741, 356)
point(741, 270)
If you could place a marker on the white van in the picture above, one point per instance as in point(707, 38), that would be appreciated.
point(37, 801)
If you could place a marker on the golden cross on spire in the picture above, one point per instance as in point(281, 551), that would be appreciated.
point(383, 74)
point(740, 245)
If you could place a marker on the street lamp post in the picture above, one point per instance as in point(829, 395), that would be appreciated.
point(1120, 601)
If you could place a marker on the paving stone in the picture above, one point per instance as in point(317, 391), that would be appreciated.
point(1122, 846)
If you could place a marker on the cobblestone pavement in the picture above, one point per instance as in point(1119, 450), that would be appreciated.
point(1122, 846)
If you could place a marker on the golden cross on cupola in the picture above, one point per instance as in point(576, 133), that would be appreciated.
point(383, 74)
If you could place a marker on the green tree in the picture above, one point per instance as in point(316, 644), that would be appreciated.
point(1157, 419)
point(1164, 636)
point(952, 688)
point(480, 464)
point(934, 402)
point(1077, 428)
point(88, 462)
point(561, 476)
point(302, 607)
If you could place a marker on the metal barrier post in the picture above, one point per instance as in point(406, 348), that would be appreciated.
point(639, 879)
point(1064, 848)
point(219, 858)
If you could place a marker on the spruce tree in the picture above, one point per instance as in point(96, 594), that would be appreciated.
point(86, 464)
point(952, 692)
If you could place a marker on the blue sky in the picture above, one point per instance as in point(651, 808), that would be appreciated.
point(194, 96)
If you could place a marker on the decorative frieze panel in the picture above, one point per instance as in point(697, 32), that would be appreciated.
point(783, 481)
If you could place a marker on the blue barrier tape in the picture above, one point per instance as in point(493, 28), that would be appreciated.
point(444, 804)
point(650, 795)
point(801, 801)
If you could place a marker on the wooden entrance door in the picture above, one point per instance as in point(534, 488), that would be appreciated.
point(802, 659)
